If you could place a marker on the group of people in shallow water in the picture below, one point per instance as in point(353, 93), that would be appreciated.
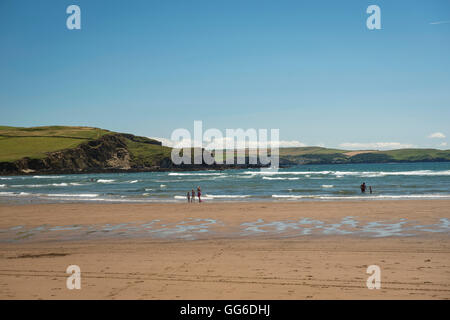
point(363, 188)
point(191, 195)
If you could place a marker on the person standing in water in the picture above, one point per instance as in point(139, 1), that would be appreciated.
point(370, 189)
point(363, 187)
point(199, 194)
point(189, 196)
point(192, 195)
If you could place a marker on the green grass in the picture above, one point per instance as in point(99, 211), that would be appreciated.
point(417, 154)
point(17, 142)
point(16, 148)
point(147, 155)
point(308, 150)
point(53, 131)
point(325, 155)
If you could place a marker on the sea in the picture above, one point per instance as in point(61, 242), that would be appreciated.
point(342, 182)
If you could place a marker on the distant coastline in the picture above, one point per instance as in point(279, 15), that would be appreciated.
point(72, 150)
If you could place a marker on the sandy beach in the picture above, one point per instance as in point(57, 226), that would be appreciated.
point(276, 250)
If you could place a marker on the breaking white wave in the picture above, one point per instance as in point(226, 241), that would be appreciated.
point(368, 174)
point(162, 186)
point(14, 194)
point(371, 197)
point(327, 186)
point(105, 180)
point(44, 185)
point(133, 181)
point(2, 185)
point(106, 200)
point(374, 174)
point(218, 196)
point(279, 178)
point(399, 197)
point(264, 173)
point(86, 195)
point(4, 178)
point(47, 177)
point(196, 174)
point(410, 173)
point(285, 196)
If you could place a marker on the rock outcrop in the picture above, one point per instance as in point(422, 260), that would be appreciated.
point(108, 153)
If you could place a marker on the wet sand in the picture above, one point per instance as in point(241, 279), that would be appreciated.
point(242, 251)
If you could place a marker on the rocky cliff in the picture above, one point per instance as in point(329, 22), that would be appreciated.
point(108, 153)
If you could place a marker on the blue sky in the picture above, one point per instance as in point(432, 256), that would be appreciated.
point(310, 68)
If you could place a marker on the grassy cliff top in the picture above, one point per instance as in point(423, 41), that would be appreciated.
point(35, 142)
point(18, 142)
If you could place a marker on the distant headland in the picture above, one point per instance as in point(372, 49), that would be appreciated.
point(68, 149)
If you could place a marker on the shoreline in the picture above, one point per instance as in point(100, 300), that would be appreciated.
point(28, 199)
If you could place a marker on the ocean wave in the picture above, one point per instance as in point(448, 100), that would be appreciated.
point(381, 197)
point(133, 181)
point(268, 173)
point(410, 173)
point(367, 197)
point(106, 180)
point(28, 185)
point(279, 178)
point(14, 194)
point(2, 185)
point(47, 177)
point(368, 174)
point(217, 196)
point(286, 196)
point(302, 190)
point(4, 178)
point(327, 186)
point(195, 174)
point(86, 195)
point(193, 179)
point(375, 174)
point(39, 185)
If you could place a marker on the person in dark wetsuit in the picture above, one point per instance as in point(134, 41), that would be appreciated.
point(363, 187)
point(188, 196)
point(199, 194)
point(192, 195)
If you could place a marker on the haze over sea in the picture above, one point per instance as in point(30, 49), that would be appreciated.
point(296, 183)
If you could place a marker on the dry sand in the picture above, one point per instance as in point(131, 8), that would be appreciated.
point(225, 261)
